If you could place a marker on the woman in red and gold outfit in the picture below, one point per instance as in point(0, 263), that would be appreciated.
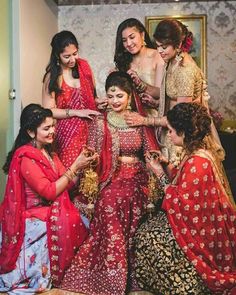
point(69, 91)
point(40, 227)
point(103, 264)
point(190, 246)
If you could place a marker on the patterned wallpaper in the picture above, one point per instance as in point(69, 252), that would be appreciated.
point(95, 27)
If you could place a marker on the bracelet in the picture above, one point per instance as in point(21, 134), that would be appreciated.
point(74, 174)
point(142, 86)
point(157, 121)
point(68, 113)
point(69, 177)
point(149, 121)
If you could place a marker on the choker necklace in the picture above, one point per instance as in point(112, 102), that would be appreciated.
point(117, 121)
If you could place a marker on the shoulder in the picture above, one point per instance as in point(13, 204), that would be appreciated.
point(198, 163)
point(154, 55)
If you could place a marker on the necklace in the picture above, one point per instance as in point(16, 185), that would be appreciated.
point(46, 154)
point(117, 121)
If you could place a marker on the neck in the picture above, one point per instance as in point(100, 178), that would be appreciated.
point(141, 53)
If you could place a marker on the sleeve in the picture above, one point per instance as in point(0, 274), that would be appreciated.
point(37, 180)
point(185, 81)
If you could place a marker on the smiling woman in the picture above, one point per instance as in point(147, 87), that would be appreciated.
point(33, 251)
point(69, 91)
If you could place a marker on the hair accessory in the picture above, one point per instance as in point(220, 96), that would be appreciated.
point(113, 88)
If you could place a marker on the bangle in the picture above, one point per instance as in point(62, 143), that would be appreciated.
point(74, 174)
point(157, 121)
point(142, 86)
point(69, 177)
point(68, 113)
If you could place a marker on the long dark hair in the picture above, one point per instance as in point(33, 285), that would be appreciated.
point(173, 32)
point(58, 44)
point(192, 120)
point(123, 58)
point(31, 118)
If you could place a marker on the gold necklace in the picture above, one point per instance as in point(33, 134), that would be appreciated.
point(117, 121)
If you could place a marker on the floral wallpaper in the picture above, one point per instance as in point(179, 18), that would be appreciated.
point(95, 27)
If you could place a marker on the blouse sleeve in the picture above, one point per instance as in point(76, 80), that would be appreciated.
point(37, 180)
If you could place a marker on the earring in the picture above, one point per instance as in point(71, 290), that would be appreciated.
point(58, 62)
point(178, 56)
point(129, 106)
point(33, 141)
point(144, 43)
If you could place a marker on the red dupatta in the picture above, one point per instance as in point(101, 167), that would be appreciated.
point(107, 156)
point(73, 132)
point(63, 219)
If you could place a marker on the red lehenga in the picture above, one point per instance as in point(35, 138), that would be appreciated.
point(72, 133)
point(103, 264)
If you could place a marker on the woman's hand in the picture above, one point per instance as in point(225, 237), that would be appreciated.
point(101, 103)
point(86, 157)
point(134, 119)
point(149, 100)
point(140, 85)
point(154, 160)
point(86, 113)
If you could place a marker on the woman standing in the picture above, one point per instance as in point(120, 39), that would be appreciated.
point(104, 263)
point(135, 54)
point(189, 246)
point(40, 227)
point(183, 82)
point(69, 91)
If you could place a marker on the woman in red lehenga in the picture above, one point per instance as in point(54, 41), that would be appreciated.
point(69, 90)
point(103, 264)
point(190, 246)
point(40, 228)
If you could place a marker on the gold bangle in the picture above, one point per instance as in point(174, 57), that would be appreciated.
point(68, 113)
point(73, 172)
point(157, 121)
point(66, 174)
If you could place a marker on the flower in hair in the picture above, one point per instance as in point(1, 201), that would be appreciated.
point(187, 44)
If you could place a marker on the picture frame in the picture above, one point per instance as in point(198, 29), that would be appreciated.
point(196, 24)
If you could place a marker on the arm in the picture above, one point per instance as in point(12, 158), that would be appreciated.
point(49, 101)
point(37, 180)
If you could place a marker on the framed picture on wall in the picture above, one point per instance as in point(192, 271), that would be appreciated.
point(196, 24)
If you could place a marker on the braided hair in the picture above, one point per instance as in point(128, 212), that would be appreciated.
point(192, 120)
point(31, 118)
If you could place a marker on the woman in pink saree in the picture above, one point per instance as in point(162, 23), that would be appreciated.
point(69, 91)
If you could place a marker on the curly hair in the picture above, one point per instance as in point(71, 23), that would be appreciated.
point(31, 118)
point(173, 32)
point(58, 44)
point(192, 120)
point(123, 58)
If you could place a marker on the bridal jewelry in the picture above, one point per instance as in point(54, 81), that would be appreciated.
point(116, 120)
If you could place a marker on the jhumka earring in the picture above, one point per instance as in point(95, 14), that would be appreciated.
point(144, 43)
point(58, 62)
point(129, 105)
point(33, 141)
point(178, 56)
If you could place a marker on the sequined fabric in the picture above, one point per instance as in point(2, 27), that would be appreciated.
point(103, 264)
